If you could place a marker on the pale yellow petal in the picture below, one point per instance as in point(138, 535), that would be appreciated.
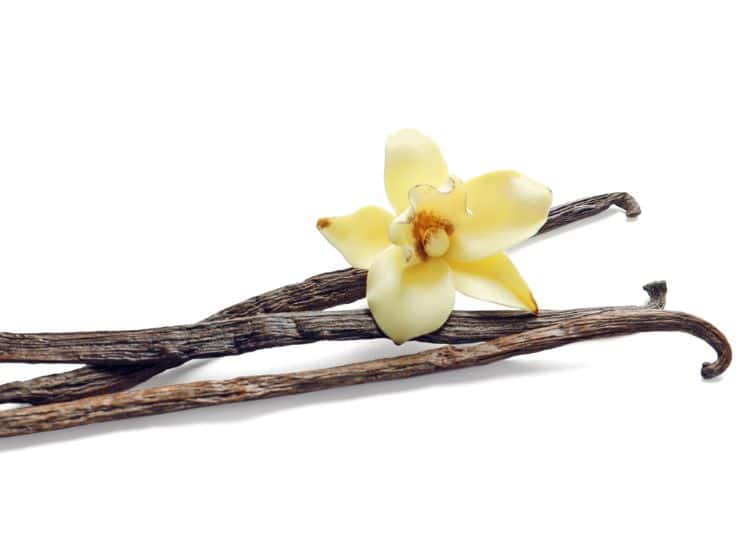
point(505, 208)
point(411, 159)
point(448, 202)
point(495, 279)
point(401, 233)
point(359, 236)
point(408, 302)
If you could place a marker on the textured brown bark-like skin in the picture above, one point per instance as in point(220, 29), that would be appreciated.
point(171, 398)
point(316, 293)
point(239, 336)
point(589, 207)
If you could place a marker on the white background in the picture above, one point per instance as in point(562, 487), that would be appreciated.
point(162, 160)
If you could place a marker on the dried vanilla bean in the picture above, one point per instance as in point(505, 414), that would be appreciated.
point(171, 398)
point(247, 334)
point(316, 293)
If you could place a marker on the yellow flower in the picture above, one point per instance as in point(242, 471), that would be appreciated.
point(447, 236)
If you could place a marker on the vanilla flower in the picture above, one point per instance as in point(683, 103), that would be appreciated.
point(448, 236)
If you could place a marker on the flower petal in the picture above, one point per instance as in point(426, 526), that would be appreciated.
point(448, 202)
point(411, 159)
point(408, 302)
point(402, 234)
point(495, 279)
point(359, 236)
point(505, 208)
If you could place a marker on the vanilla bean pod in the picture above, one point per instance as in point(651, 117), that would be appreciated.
point(230, 337)
point(172, 398)
point(316, 293)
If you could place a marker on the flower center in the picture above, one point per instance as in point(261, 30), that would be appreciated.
point(431, 234)
point(435, 242)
